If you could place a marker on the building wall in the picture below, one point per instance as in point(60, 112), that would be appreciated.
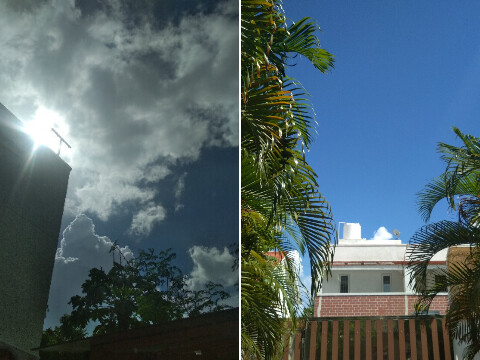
point(208, 336)
point(439, 303)
point(372, 305)
point(364, 281)
point(33, 186)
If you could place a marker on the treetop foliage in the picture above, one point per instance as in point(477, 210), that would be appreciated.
point(146, 290)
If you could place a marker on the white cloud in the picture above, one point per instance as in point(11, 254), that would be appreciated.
point(145, 219)
point(179, 188)
point(80, 250)
point(156, 173)
point(382, 234)
point(136, 100)
point(211, 264)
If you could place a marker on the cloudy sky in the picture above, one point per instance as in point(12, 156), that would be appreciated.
point(146, 94)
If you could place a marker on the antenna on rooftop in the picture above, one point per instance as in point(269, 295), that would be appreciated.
point(396, 233)
point(62, 140)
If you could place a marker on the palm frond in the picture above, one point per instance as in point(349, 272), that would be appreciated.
point(431, 239)
point(281, 206)
point(442, 187)
point(460, 186)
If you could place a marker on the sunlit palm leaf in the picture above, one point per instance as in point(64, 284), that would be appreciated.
point(281, 207)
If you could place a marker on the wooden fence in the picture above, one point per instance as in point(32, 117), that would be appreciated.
point(376, 338)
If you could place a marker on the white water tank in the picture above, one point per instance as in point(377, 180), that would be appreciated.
point(352, 231)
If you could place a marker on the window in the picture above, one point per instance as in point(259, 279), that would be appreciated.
point(344, 283)
point(441, 279)
point(386, 282)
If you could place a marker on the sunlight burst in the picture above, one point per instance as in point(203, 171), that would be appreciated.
point(40, 129)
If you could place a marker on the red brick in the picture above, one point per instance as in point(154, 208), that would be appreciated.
point(372, 305)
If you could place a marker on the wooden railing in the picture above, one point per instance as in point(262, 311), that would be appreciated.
point(377, 338)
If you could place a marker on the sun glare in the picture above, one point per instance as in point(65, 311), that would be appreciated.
point(40, 129)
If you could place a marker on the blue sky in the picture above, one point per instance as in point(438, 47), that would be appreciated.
point(405, 73)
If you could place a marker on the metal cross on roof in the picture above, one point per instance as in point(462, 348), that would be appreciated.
point(62, 140)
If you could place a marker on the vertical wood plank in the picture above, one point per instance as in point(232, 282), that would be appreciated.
point(286, 349)
point(323, 348)
point(401, 338)
point(446, 341)
point(391, 344)
point(296, 351)
point(335, 340)
point(368, 339)
point(357, 340)
point(413, 339)
point(436, 352)
point(346, 340)
point(379, 340)
point(313, 340)
point(423, 335)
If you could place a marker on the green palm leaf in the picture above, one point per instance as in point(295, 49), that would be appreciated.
point(281, 207)
point(460, 186)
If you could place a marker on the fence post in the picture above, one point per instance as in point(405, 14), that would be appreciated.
point(379, 339)
point(357, 340)
point(413, 339)
point(368, 339)
point(390, 342)
point(426, 344)
point(346, 340)
point(436, 353)
point(446, 340)
point(335, 340)
point(297, 350)
point(313, 339)
point(423, 335)
point(401, 338)
point(324, 340)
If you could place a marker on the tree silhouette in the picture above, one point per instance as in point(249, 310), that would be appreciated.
point(142, 291)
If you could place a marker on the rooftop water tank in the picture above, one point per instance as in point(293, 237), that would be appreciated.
point(352, 231)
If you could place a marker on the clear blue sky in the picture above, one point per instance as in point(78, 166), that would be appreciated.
point(405, 73)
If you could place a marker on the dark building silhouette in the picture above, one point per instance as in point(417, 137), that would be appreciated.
point(209, 336)
point(33, 186)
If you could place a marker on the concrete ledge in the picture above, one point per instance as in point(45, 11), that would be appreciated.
point(377, 294)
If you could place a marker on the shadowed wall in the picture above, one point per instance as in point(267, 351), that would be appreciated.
point(33, 186)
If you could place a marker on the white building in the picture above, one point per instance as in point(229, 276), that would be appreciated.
point(280, 260)
point(369, 278)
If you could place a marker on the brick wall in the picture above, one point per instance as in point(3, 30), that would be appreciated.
point(371, 305)
point(439, 303)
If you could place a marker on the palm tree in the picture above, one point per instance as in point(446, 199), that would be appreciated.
point(281, 207)
point(460, 186)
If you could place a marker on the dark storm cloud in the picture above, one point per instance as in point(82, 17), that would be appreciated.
point(137, 82)
point(157, 12)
